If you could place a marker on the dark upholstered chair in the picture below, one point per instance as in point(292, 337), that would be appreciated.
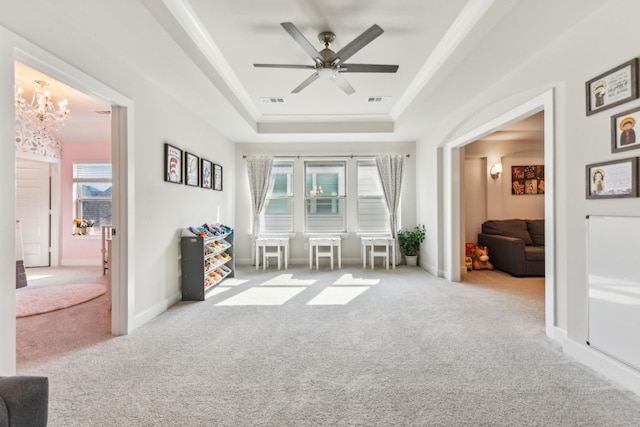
point(24, 401)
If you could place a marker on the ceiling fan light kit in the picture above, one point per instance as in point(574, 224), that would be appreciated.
point(330, 64)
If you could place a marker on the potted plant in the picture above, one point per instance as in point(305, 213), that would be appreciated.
point(409, 242)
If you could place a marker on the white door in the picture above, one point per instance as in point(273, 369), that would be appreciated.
point(33, 191)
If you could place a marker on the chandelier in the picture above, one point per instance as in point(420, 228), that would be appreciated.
point(41, 111)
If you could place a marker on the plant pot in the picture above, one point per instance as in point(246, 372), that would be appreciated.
point(412, 260)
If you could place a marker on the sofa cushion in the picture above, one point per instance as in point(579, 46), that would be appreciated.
point(536, 230)
point(534, 253)
point(508, 227)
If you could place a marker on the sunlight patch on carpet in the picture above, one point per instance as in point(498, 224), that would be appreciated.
point(288, 280)
point(39, 300)
point(263, 296)
point(337, 296)
point(348, 279)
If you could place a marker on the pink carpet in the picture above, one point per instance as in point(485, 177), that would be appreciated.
point(38, 300)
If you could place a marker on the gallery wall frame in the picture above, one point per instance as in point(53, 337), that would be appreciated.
point(217, 177)
point(612, 179)
point(613, 87)
point(172, 163)
point(205, 174)
point(623, 135)
point(191, 169)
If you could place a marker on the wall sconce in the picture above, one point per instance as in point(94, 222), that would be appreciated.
point(495, 171)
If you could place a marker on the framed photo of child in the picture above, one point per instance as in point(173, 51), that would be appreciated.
point(615, 178)
point(623, 134)
point(611, 88)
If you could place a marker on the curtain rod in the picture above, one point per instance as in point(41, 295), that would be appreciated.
point(351, 156)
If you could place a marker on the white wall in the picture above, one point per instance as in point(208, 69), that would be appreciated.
point(350, 244)
point(171, 101)
point(590, 48)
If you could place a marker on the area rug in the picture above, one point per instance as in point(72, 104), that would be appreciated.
point(44, 299)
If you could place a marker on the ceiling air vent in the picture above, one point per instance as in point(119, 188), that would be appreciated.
point(273, 100)
point(102, 111)
point(378, 99)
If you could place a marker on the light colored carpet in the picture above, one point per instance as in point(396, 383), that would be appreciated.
point(346, 347)
point(31, 301)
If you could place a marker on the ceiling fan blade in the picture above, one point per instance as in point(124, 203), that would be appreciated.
point(283, 66)
point(312, 78)
point(358, 43)
point(368, 68)
point(302, 41)
point(343, 83)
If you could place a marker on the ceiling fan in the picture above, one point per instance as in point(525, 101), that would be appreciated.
point(332, 64)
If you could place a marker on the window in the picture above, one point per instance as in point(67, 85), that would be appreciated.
point(325, 195)
point(92, 192)
point(373, 215)
point(277, 214)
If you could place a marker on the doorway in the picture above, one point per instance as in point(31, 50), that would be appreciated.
point(118, 128)
point(452, 211)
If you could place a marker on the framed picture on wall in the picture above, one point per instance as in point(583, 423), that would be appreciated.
point(623, 134)
point(205, 174)
point(613, 87)
point(191, 169)
point(172, 164)
point(217, 177)
point(527, 180)
point(616, 178)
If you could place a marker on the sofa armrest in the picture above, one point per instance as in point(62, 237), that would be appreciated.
point(26, 400)
point(505, 253)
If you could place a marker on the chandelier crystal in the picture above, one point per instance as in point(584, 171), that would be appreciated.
point(41, 111)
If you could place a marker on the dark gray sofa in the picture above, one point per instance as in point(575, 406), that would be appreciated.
point(516, 246)
point(24, 401)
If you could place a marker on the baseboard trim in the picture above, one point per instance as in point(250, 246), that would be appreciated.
point(153, 312)
point(612, 369)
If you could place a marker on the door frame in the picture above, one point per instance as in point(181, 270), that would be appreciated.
point(122, 309)
point(451, 211)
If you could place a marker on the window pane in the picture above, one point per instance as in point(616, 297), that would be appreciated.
point(92, 171)
point(277, 214)
point(325, 179)
point(325, 215)
point(97, 210)
point(368, 179)
point(280, 183)
point(373, 215)
point(95, 189)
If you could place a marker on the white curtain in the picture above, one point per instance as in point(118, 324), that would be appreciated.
point(259, 171)
point(390, 171)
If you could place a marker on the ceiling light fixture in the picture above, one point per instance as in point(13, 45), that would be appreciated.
point(41, 111)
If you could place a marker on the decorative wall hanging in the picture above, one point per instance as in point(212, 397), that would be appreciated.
point(205, 173)
point(191, 171)
point(616, 178)
point(623, 134)
point(527, 180)
point(613, 87)
point(172, 164)
point(217, 177)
